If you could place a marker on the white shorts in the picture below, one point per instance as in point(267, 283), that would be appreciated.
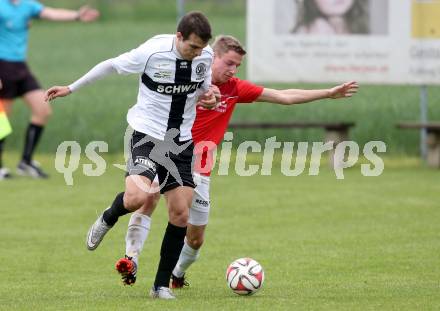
point(199, 211)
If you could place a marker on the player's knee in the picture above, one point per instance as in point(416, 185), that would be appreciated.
point(47, 113)
point(179, 217)
point(133, 200)
point(150, 204)
point(42, 115)
point(154, 197)
point(195, 242)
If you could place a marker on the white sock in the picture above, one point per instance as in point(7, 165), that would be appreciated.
point(137, 233)
point(187, 257)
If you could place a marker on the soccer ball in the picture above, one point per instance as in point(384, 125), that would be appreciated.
point(245, 276)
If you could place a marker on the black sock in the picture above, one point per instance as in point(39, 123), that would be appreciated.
point(33, 135)
point(172, 244)
point(2, 141)
point(117, 209)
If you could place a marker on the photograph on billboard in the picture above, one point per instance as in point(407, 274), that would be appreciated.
point(373, 41)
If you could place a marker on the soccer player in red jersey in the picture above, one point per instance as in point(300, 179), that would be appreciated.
point(208, 131)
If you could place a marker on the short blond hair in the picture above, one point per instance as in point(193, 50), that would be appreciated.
point(223, 44)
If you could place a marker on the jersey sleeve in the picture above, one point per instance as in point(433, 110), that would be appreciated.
point(35, 9)
point(133, 61)
point(247, 91)
point(98, 72)
point(207, 82)
point(208, 77)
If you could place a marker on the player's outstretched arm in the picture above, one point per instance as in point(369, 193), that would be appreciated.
point(298, 96)
point(84, 14)
point(100, 71)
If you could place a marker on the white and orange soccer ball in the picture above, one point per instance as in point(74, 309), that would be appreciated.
point(245, 276)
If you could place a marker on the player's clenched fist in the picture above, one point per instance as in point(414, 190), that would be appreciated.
point(210, 99)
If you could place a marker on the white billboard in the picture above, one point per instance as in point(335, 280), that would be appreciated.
point(371, 41)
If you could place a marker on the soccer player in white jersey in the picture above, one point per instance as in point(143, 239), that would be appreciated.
point(174, 71)
point(210, 126)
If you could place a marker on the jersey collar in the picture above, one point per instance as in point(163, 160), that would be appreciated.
point(175, 48)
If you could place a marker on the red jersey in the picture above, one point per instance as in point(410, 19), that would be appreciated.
point(210, 125)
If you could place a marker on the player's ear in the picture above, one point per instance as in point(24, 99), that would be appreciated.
point(179, 36)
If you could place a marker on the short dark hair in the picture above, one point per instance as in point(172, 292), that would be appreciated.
point(223, 44)
point(196, 23)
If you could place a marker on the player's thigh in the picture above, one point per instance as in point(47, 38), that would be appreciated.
point(182, 173)
point(179, 194)
point(40, 109)
point(179, 197)
point(152, 199)
point(141, 172)
point(137, 191)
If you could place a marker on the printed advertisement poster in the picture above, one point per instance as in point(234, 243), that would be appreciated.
point(371, 41)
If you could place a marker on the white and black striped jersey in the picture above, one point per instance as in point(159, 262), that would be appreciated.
point(168, 86)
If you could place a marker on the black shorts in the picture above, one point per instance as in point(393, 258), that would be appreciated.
point(17, 79)
point(171, 161)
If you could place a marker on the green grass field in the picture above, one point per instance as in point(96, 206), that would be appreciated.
point(362, 243)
